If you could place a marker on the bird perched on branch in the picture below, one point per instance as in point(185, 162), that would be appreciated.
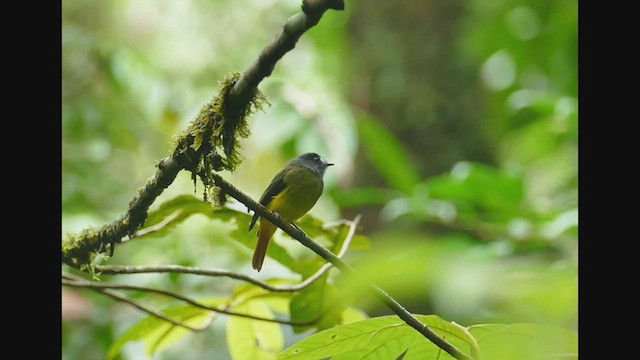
point(291, 194)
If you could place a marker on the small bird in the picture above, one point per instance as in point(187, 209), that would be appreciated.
point(291, 194)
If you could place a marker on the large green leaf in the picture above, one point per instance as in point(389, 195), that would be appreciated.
point(158, 334)
point(254, 339)
point(385, 337)
point(320, 302)
point(171, 213)
point(389, 337)
point(525, 341)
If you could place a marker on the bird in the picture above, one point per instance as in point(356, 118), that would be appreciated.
point(291, 194)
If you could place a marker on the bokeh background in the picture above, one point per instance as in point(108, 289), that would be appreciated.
point(453, 126)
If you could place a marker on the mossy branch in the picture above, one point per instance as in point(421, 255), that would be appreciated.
point(209, 144)
point(78, 249)
point(296, 26)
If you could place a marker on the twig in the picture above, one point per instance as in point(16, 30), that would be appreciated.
point(124, 269)
point(100, 286)
point(308, 281)
point(327, 255)
point(124, 299)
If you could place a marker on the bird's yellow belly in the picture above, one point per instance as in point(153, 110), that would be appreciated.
point(299, 196)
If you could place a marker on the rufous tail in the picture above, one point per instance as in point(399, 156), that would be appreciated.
point(265, 232)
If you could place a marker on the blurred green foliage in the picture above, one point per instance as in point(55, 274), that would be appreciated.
point(455, 134)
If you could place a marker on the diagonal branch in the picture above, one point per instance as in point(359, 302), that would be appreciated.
point(235, 103)
point(77, 248)
point(312, 11)
point(299, 235)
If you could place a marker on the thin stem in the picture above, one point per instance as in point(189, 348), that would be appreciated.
point(94, 285)
point(118, 297)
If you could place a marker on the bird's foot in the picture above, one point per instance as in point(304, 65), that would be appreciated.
point(302, 233)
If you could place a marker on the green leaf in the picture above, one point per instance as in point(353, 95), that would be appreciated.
point(172, 212)
point(379, 338)
point(474, 187)
point(387, 154)
point(360, 242)
point(525, 341)
point(249, 238)
point(330, 236)
point(278, 302)
point(351, 315)
point(254, 339)
point(247, 292)
point(158, 334)
point(319, 301)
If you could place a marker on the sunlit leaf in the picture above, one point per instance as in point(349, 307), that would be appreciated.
point(254, 339)
point(158, 334)
point(360, 242)
point(320, 303)
point(525, 341)
point(172, 212)
point(351, 315)
point(246, 292)
point(278, 302)
point(379, 338)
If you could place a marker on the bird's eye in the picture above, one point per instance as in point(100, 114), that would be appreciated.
point(316, 158)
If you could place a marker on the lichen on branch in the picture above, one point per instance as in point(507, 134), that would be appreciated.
point(211, 142)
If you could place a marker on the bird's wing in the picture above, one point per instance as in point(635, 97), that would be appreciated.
point(277, 185)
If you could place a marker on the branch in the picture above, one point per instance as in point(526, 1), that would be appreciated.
point(77, 248)
point(219, 124)
point(228, 111)
point(125, 269)
point(104, 287)
point(118, 297)
point(312, 11)
point(327, 255)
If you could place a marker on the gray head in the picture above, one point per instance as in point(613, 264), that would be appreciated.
point(313, 161)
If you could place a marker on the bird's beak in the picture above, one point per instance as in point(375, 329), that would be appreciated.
point(329, 164)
